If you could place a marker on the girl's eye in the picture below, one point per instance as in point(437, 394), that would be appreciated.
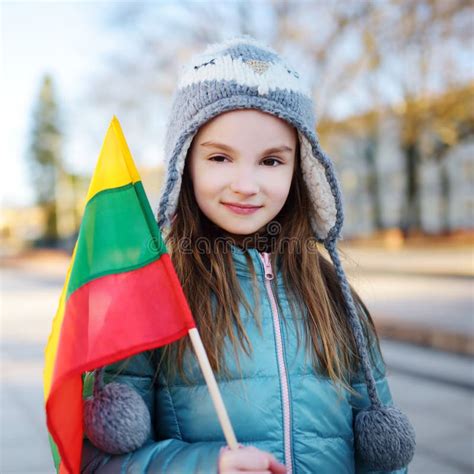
point(272, 160)
point(218, 158)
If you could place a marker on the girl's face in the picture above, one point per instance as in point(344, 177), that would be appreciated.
point(245, 158)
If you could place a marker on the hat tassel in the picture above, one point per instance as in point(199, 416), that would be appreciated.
point(384, 436)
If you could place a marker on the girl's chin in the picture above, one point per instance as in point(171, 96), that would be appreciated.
point(239, 236)
point(239, 227)
point(240, 233)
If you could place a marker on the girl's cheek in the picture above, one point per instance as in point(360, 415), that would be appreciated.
point(279, 186)
point(216, 174)
point(278, 177)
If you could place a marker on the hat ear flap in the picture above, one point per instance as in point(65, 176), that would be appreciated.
point(322, 187)
point(172, 186)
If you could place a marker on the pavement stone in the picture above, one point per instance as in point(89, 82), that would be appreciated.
point(441, 412)
point(424, 310)
point(24, 442)
point(452, 369)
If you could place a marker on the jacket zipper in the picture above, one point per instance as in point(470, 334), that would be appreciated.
point(281, 363)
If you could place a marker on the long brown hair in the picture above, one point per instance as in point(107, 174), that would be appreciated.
point(309, 278)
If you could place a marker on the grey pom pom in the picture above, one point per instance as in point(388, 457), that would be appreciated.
point(384, 438)
point(116, 419)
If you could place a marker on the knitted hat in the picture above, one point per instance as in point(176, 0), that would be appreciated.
point(242, 73)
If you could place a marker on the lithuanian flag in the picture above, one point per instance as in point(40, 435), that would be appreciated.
point(121, 295)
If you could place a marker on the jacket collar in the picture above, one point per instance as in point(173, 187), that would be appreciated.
point(240, 262)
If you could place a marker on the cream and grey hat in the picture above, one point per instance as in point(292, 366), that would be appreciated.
point(241, 73)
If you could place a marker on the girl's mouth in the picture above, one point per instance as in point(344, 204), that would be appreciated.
point(242, 210)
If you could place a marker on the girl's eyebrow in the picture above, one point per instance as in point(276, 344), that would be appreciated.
point(222, 146)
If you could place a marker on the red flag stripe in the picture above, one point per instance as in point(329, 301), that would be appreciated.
point(108, 319)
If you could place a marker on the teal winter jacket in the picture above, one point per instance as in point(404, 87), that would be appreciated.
point(275, 400)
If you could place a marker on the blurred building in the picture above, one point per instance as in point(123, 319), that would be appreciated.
point(21, 226)
point(367, 149)
point(18, 227)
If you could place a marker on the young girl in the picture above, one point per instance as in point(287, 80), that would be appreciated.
point(249, 198)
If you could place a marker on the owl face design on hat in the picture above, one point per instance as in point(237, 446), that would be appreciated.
point(245, 63)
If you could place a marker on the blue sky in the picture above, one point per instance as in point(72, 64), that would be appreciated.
point(66, 39)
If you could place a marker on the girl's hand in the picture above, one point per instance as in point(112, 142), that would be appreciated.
point(250, 460)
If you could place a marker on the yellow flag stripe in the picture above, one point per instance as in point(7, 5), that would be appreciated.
point(115, 166)
point(53, 341)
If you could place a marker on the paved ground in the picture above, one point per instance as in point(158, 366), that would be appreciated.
point(436, 391)
point(423, 260)
point(424, 296)
point(422, 300)
point(434, 388)
point(27, 306)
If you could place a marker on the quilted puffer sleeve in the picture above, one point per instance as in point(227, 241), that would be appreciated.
point(164, 456)
point(362, 401)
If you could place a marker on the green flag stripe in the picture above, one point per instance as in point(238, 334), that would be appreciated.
point(55, 453)
point(118, 233)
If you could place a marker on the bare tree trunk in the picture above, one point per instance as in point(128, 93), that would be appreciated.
point(410, 220)
point(373, 188)
point(445, 197)
point(51, 225)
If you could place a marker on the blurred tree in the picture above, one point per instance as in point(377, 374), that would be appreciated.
point(452, 122)
point(363, 131)
point(45, 156)
point(373, 184)
point(418, 51)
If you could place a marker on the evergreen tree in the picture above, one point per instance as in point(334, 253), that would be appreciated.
point(45, 156)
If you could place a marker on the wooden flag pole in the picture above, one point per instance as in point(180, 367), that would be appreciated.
point(213, 389)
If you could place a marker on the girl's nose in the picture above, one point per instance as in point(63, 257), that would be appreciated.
point(244, 182)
